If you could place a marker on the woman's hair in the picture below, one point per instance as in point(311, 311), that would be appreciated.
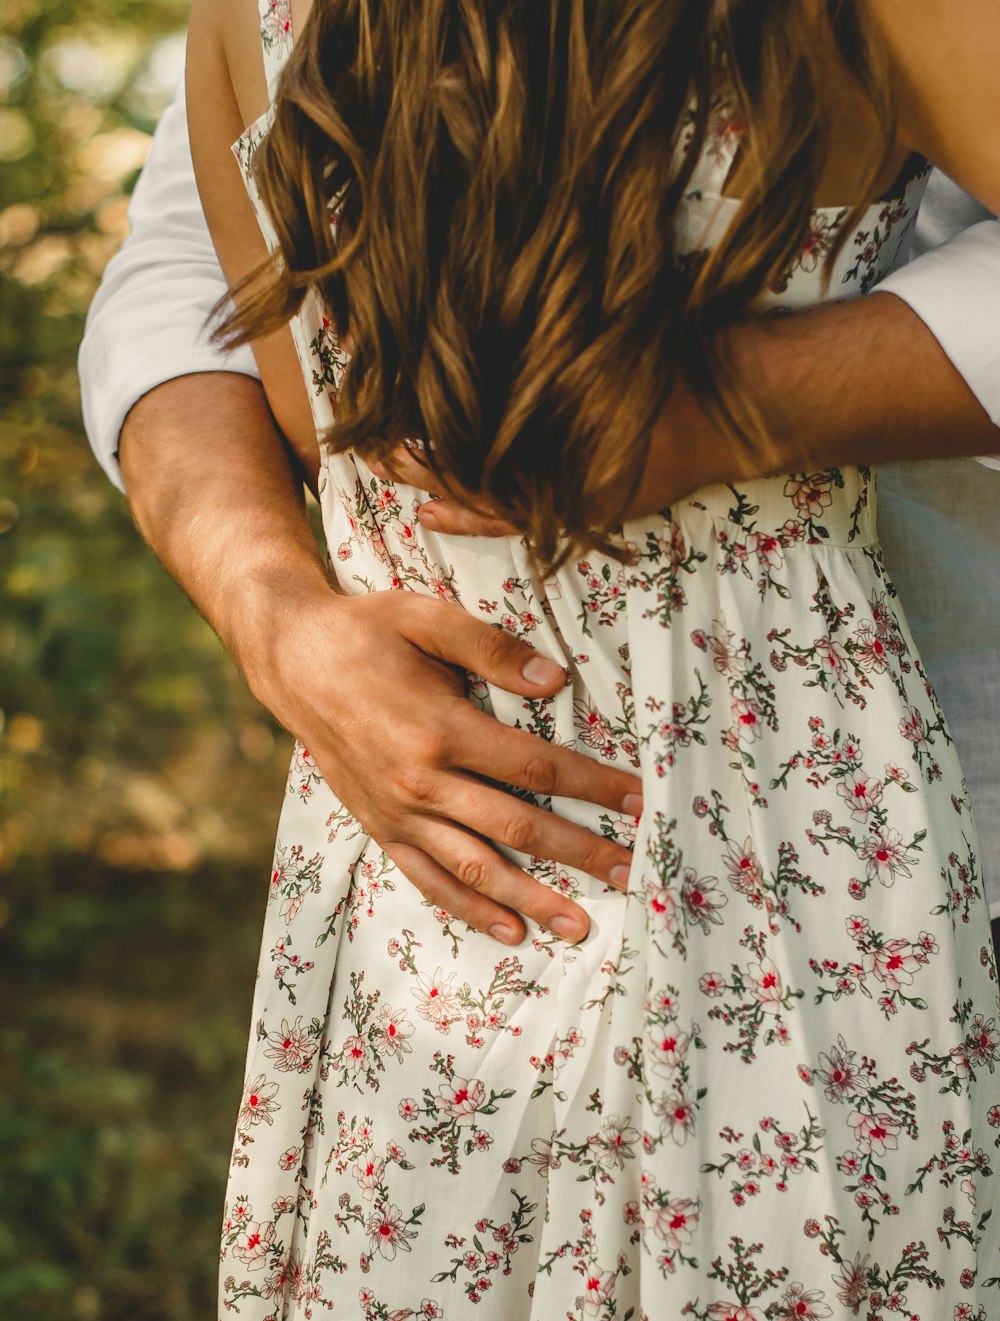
point(503, 177)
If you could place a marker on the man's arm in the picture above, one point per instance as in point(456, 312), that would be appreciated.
point(911, 374)
point(146, 324)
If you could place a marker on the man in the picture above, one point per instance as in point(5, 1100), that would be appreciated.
point(212, 487)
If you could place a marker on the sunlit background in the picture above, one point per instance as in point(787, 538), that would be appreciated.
point(139, 783)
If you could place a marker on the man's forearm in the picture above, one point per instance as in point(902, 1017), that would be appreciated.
point(220, 505)
point(848, 383)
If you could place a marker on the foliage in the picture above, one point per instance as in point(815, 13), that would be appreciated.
point(139, 783)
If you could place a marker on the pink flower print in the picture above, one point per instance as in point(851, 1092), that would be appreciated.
point(810, 495)
point(874, 1133)
point(409, 1110)
point(816, 243)
point(595, 732)
point(369, 1175)
point(463, 1097)
point(969, 1188)
point(882, 617)
point(840, 1076)
point(677, 1114)
point(386, 1232)
point(393, 1031)
point(982, 1041)
point(960, 1061)
point(801, 1304)
point(849, 1163)
point(356, 1053)
point(702, 900)
point(833, 658)
point(290, 1159)
point(598, 1291)
point(727, 659)
point(894, 964)
point(862, 795)
point(259, 1105)
point(712, 983)
point(872, 653)
point(733, 1312)
point(253, 1245)
point(745, 872)
point(667, 1049)
point(912, 727)
point(437, 999)
point(440, 586)
point(726, 126)
point(613, 1145)
point(886, 856)
point(276, 27)
point(291, 908)
point(767, 548)
point(430, 1310)
point(765, 985)
point(292, 1048)
point(543, 1155)
point(747, 716)
point(406, 534)
point(853, 1282)
point(661, 906)
point(675, 1222)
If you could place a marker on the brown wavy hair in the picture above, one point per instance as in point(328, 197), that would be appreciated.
point(504, 186)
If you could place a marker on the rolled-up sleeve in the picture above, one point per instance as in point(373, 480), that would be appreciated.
point(147, 323)
point(955, 290)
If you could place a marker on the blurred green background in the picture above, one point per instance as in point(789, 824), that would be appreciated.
point(139, 782)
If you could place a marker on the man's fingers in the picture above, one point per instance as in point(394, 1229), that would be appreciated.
point(483, 649)
point(457, 520)
point(478, 867)
point(516, 757)
point(442, 890)
point(508, 820)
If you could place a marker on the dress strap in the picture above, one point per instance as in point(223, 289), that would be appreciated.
point(275, 36)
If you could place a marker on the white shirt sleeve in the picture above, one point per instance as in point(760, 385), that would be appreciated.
point(147, 323)
point(954, 287)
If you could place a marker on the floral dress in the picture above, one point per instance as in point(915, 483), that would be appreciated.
point(765, 1084)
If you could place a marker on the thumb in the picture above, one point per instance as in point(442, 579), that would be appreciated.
point(485, 649)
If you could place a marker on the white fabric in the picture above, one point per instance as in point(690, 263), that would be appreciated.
point(957, 276)
point(939, 523)
point(146, 324)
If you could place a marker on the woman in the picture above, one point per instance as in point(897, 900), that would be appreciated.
point(761, 1087)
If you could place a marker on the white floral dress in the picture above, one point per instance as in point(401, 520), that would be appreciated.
point(765, 1085)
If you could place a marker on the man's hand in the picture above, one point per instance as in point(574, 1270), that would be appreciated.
point(449, 509)
point(374, 686)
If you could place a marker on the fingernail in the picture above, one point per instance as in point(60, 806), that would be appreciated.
point(620, 875)
point(505, 934)
point(567, 929)
point(542, 671)
point(632, 804)
point(428, 517)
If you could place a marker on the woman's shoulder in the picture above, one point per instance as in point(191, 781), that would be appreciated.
point(248, 35)
point(943, 60)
